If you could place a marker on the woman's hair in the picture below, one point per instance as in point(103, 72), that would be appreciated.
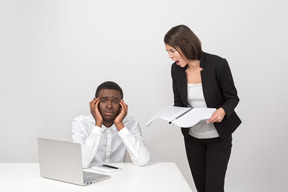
point(109, 85)
point(182, 37)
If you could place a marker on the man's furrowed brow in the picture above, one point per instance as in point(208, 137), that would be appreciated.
point(110, 97)
point(116, 98)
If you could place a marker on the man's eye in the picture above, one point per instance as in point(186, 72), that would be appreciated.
point(103, 101)
point(116, 101)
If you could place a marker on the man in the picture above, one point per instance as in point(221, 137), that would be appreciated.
point(107, 133)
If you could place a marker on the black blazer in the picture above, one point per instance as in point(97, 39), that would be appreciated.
point(218, 89)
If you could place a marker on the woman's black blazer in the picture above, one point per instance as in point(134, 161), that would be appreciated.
point(218, 88)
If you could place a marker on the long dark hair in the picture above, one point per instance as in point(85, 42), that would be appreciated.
point(182, 37)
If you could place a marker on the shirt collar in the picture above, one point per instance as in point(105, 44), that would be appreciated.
point(92, 120)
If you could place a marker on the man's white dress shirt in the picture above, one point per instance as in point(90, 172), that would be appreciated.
point(103, 145)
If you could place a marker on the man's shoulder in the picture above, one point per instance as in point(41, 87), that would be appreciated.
point(83, 118)
point(129, 119)
point(131, 122)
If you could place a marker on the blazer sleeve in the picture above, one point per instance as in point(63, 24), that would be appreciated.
point(229, 92)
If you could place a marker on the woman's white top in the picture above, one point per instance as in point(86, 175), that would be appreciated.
point(201, 130)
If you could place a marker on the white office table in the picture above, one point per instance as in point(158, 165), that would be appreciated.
point(156, 177)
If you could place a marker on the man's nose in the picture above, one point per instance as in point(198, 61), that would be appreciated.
point(109, 104)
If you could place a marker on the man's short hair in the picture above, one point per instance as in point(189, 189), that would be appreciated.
point(109, 85)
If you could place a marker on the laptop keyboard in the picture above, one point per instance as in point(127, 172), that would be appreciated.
point(89, 177)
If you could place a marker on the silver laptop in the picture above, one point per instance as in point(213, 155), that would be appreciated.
point(61, 160)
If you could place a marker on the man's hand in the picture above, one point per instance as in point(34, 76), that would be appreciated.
point(217, 116)
point(122, 114)
point(95, 112)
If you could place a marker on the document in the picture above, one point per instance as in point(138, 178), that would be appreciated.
point(105, 168)
point(182, 116)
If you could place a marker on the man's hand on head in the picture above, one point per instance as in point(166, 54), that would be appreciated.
point(95, 112)
point(118, 121)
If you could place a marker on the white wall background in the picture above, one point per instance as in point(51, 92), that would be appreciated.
point(53, 55)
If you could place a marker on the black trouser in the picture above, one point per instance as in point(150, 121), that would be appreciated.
point(208, 159)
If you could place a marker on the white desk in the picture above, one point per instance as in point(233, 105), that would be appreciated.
point(155, 177)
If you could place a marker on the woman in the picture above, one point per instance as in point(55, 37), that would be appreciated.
point(203, 80)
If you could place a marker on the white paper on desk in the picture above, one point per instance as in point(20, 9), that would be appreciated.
point(102, 169)
point(190, 117)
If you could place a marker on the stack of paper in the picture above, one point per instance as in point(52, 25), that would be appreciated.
point(182, 116)
point(105, 168)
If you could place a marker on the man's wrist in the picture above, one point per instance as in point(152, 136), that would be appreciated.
point(119, 125)
point(98, 124)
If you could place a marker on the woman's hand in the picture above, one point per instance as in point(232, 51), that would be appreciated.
point(217, 116)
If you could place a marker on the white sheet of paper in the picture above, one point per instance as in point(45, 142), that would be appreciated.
point(193, 117)
point(167, 113)
point(102, 169)
point(170, 113)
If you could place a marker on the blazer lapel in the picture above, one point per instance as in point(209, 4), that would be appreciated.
point(182, 84)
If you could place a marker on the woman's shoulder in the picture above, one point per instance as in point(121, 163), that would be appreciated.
point(211, 60)
point(213, 57)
